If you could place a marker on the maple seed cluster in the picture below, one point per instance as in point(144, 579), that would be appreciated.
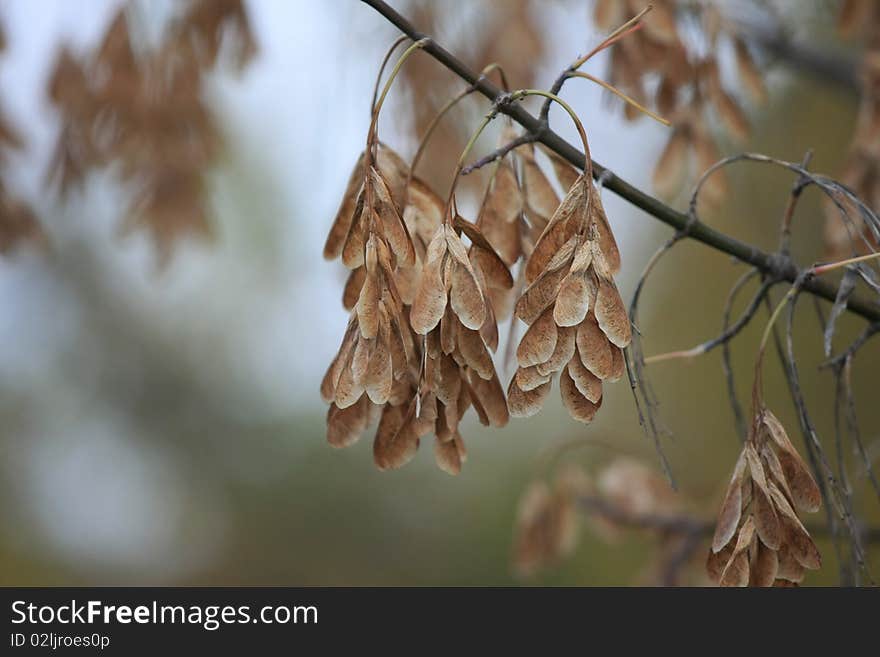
point(689, 89)
point(577, 321)
point(144, 109)
point(427, 289)
point(413, 353)
point(759, 539)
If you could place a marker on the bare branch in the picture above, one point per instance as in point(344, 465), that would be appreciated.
point(498, 153)
point(727, 366)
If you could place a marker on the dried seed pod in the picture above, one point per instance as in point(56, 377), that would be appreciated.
point(525, 403)
point(538, 342)
point(772, 543)
point(448, 276)
point(671, 169)
point(736, 572)
point(731, 508)
point(146, 112)
point(500, 216)
point(593, 348)
point(381, 217)
point(577, 404)
point(764, 567)
point(731, 114)
point(397, 437)
point(529, 378)
point(547, 523)
point(450, 454)
point(422, 215)
point(345, 214)
point(577, 321)
point(539, 198)
point(543, 290)
point(563, 352)
point(346, 425)
point(749, 74)
point(803, 489)
point(587, 383)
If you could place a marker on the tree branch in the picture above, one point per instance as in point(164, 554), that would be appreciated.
point(679, 523)
point(769, 263)
point(839, 70)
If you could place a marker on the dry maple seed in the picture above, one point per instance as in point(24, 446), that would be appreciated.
point(578, 324)
point(417, 350)
point(759, 539)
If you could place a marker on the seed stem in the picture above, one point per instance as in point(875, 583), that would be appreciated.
point(588, 162)
point(421, 43)
point(372, 132)
point(821, 269)
point(611, 38)
point(452, 102)
point(388, 54)
point(620, 94)
point(467, 149)
point(516, 96)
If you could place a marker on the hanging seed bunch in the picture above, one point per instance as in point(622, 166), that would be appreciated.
point(425, 302)
point(376, 368)
point(634, 491)
point(547, 521)
point(759, 539)
point(17, 221)
point(623, 496)
point(578, 323)
point(144, 110)
point(689, 89)
point(516, 208)
point(453, 311)
point(859, 19)
point(502, 222)
point(414, 352)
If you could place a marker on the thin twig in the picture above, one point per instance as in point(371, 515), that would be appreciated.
point(796, 190)
point(676, 523)
point(853, 425)
point(643, 393)
point(727, 366)
point(500, 152)
point(631, 24)
point(728, 334)
point(811, 439)
point(870, 331)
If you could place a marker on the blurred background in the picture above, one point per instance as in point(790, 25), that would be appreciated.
point(160, 418)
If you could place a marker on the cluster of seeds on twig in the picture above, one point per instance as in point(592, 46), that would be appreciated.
point(548, 521)
point(844, 234)
point(689, 84)
point(426, 304)
point(424, 319)
point(143, 107)
point(623, 495)
point(578, 324)
point(422, 326)
point(759, 539)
